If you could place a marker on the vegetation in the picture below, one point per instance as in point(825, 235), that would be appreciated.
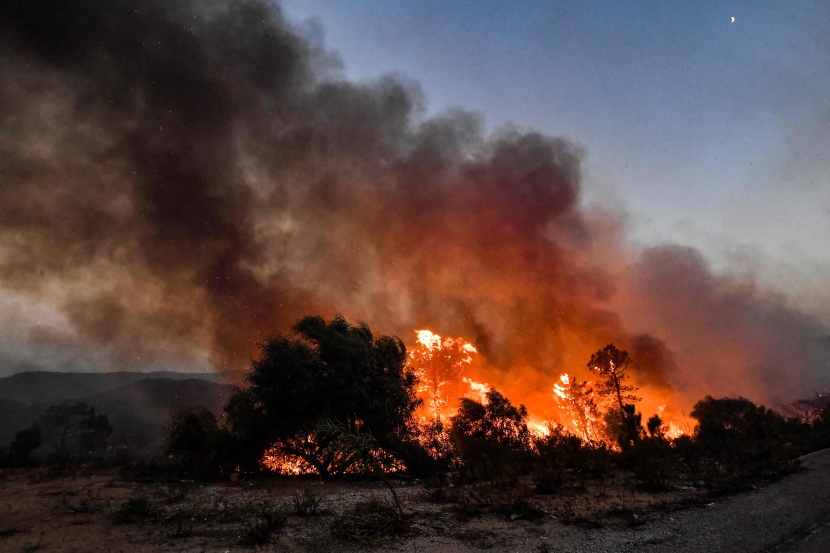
point(67, 434)
point(334, 399)
point(20, 451)
point(490, 436)
point(324, 371)
point(196, 440)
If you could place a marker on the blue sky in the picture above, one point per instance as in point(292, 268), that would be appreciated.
point(706, 132)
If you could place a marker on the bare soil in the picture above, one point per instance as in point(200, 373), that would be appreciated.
point(105, 511)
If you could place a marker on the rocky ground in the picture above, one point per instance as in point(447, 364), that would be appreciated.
point(107, 511)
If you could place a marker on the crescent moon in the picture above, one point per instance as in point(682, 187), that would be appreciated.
point(733, 20)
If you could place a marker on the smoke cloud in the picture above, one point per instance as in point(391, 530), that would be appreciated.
point(180, 180)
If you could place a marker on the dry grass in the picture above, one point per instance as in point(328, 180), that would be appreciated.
point(83, 511)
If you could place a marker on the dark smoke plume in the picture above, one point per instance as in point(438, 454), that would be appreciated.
point(181, 179)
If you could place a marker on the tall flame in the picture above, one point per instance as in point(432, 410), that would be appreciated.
point(442, 364)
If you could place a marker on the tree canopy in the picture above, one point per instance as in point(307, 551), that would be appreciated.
point(325, 370)
point(494, 430)
point(613, 365)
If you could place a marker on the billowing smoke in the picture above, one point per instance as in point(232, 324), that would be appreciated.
point(179, 180)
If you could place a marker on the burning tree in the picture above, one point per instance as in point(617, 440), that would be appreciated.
point(439, 364)
point(577, 399)
point(623, 423)
point(612, 366)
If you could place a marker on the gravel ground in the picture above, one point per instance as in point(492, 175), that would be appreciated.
point(792, 515)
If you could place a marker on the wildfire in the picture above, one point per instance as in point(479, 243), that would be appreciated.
point(295, 458)
point(447, 370)
point(440, 364)
point(538, 427)
point(281, 462)
point(478, 390)
point(576, 399)
point(673, 429)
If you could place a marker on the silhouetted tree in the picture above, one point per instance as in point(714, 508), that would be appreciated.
point(746, 439)
point(75, 432)
point(25, 443)
point(821, 427)
point(623, 423)
point(324, 370)
point(576, 398)
point(195, 438)
point(495, 432)
point(612, 366)
point(656, 428)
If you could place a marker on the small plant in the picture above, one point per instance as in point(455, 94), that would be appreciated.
point(518, 503)
point(175, 494)
point(569, 514)
point(439, 490)
point(266, 518)
point(369, 521)
point(548, 479)
point(306, 503)
point(138, 506)
point(90, 502)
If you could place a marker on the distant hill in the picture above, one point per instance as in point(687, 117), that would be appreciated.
point(35, 387)
point(143, 404)
point(147, 405)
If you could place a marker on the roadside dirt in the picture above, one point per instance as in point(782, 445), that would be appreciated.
point(103, 511)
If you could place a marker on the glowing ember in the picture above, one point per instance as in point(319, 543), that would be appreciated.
point(277, 460)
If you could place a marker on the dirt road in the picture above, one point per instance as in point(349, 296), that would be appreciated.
point(792, 515)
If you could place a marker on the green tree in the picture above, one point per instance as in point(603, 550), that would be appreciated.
point(324, 370)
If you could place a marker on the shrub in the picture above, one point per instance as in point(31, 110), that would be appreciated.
point(306, 502)
point(266, 518)
point(21, 449)
point(197, 442)
point(653, 461)
point(491, 438)
point(139, 506)
point(369, 521)
point(739, 440)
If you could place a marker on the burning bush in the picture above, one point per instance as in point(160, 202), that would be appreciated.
point(329, 371)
